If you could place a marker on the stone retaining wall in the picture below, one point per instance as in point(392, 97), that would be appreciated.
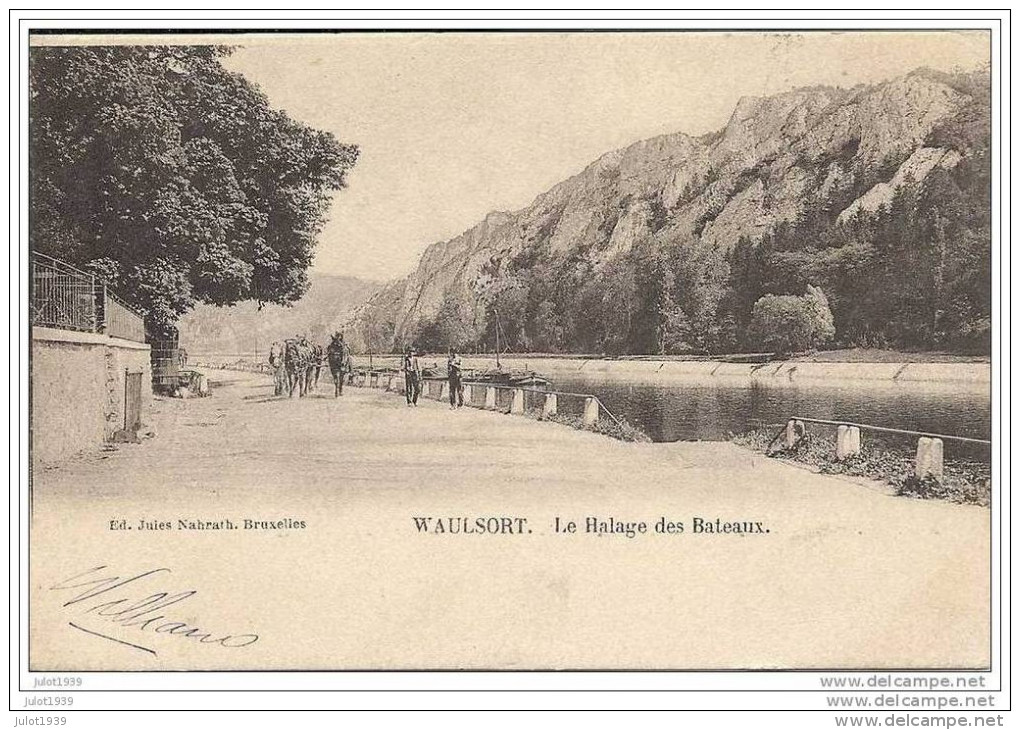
point(77, 389)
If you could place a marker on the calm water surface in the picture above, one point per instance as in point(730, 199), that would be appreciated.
point(712, 412)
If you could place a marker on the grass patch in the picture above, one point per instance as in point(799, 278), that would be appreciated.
point(623, 431)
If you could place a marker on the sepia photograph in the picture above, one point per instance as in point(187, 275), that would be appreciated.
point(510, 350)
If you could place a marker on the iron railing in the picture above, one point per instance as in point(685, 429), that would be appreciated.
point(897, 431)
point(120, 320)
point(62, 296)
point(65, 297)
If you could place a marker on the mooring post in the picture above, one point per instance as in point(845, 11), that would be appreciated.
point(549, 409)
point(469, 391)
point(848, 442)
point(929, 462)
point(490, 397)
point(794, 433)
point(444, 390)
point(517, 407)
point(591, 412)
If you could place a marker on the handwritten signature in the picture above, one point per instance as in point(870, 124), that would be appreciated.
point(101, 598)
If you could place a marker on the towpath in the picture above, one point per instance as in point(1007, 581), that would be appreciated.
point(841, 575)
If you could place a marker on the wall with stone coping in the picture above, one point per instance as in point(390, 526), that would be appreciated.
point(77, 389)
point(968, 376)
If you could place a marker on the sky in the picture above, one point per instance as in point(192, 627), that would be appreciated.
point(452, 126)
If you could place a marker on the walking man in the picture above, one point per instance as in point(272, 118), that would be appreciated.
point(412, 376)
point(277, 364)
point(454, 368)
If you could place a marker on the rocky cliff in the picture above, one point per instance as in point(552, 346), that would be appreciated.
point(777, 160)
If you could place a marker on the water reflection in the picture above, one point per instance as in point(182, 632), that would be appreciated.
point(712, 412)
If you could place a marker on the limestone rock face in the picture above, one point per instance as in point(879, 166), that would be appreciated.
point(776, 159)
point(916, 167)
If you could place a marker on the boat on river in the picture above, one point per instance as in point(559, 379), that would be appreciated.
point(509, 378)
point(501, 376)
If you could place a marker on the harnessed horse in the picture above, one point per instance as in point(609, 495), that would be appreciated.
point(297, 359)
point(339, 357)
point(317, 361)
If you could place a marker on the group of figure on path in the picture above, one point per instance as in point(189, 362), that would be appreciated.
point(297, 364)
point(413, 379)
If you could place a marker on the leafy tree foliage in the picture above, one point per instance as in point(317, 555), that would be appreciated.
point(173, 178)
point(451, 328)
point(786, 324)
point(914, 274)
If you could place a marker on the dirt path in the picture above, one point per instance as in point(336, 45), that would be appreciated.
point(843, 577)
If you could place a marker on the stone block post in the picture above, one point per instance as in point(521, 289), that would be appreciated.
point(549, 409)
point(517, 407)
point(794, 432)
point(490, 398)
point(591, 412)
point(848, 442)
point(928, 462)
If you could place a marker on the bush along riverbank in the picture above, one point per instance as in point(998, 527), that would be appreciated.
point(965, 481)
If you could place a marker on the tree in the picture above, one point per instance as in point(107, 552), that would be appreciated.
point(452, 327)
point(173, 178)
point(785, 323)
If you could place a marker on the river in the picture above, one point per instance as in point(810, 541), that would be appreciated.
point(701, 411)
point(703, 406)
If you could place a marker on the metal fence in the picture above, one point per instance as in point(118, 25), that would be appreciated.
point(119, 320)
point(62, 296)
point(65, 297)
point(930, 449)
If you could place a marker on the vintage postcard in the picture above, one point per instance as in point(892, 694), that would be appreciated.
point(511, 350)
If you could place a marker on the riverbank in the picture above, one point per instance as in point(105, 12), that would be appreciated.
point(965, 481)
point(970, 375)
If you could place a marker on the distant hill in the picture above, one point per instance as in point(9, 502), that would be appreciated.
point(877, 194)
point(242, 328)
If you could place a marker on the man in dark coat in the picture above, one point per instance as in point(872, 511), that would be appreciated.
point(412, 376)
point(454, 370)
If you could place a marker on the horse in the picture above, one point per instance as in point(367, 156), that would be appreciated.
point(318, 359)
point(297, 359)
point(339, 357)
point(277, 357)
